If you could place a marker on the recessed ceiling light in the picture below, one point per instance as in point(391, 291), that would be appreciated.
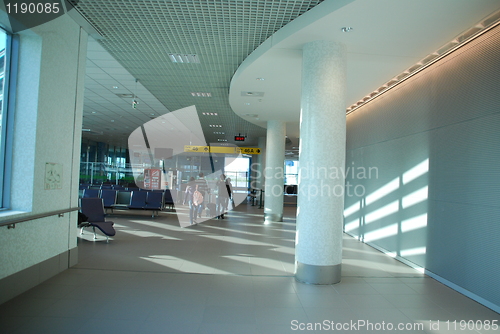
point(94, 112)
point(215, 126)
point(184, 58)
point(199, 94)
point(209, 114)
point(347, 29)
point(115, 87)
point(260, 79)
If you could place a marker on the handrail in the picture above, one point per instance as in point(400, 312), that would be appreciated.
point(11, 223)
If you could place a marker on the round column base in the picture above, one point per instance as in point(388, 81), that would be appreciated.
point(319, 275)
point(273, 217)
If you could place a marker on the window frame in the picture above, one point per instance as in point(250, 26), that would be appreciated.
point(7, 126)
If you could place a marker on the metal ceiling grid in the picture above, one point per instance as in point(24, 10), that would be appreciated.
point(222, 33)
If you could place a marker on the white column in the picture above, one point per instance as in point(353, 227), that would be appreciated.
point(320, 206)
point(274, 171)
point(258, 164)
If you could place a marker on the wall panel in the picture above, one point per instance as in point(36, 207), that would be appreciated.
point(435, 140)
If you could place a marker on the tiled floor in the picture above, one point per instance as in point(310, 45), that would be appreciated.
point(230, 276)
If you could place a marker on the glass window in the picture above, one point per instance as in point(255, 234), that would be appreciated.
point(4, 75)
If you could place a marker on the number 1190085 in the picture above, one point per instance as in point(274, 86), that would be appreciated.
point(32, 8)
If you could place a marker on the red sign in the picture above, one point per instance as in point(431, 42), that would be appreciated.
point(152, 178)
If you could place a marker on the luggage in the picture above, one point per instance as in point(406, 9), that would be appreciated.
point(211, 210)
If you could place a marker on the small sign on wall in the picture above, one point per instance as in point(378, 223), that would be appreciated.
point(53, 176)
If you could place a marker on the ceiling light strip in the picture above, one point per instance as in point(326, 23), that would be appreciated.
point(450, 47)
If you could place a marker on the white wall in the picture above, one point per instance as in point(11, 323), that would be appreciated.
point(435, 142)
point(48, 120)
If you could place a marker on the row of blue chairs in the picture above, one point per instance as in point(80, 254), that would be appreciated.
point(102, 186)
point(155, 200)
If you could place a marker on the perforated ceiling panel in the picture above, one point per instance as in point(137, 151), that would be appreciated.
point(142, 34)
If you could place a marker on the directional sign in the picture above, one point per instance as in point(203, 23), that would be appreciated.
point(190, 148)
point(222, 149)
point(249, 150)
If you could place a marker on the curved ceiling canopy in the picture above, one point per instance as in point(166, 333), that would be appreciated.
point(386, 38)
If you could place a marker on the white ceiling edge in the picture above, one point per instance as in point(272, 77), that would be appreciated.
point(389, 36)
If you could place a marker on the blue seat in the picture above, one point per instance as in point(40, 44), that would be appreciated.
point(93, 208)
point(154, 201)
point(90, 193)
point(109, 198)
point(138, 199)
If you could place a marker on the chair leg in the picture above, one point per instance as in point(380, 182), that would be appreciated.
point(95, 236)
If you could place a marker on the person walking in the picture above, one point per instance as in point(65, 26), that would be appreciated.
point(203, 188)
point(190, 200)
point(222, 196)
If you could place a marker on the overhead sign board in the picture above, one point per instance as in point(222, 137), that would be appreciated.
point(222, 149)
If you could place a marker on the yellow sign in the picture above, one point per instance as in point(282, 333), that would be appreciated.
point(249, 150)
point(222, 149)
point(190, 148)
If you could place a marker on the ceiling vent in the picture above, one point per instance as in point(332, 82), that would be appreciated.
point(126, 96)
point(252, 94)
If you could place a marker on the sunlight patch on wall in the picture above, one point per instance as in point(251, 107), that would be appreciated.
point(415, 197)
point(381, 233)
point(383, 191)
point(352, 225)
point(352, 209)
point(416, 171)
point(414, 223)
point(382, 212)
point(414, 251)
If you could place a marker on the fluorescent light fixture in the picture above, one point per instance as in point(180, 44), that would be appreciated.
point(200, 94)
point(210, 114)
point(215, 126)
point(125, 95)
point(184, 58)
